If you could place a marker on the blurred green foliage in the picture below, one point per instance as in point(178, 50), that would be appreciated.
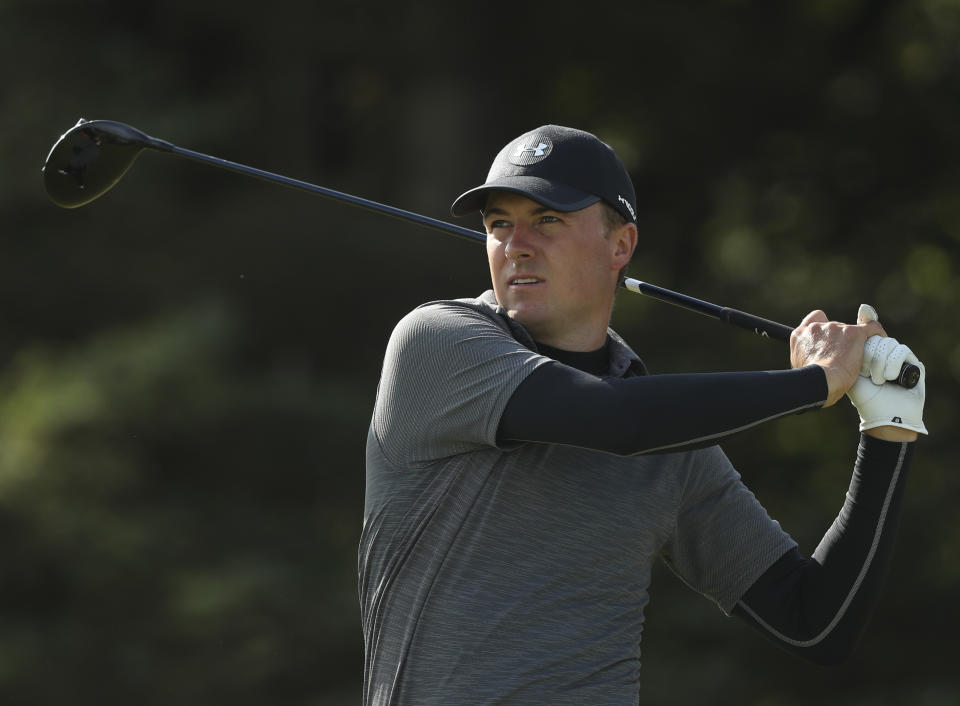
point(189, 363)
point(163, 544)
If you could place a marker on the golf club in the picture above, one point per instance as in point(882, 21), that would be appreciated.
point(93, 155)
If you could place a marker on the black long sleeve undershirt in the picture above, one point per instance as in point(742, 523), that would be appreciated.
point(815, 607)
point(818, 607)
point(560, 404)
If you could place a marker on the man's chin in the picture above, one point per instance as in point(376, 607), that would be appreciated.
point(529, 317)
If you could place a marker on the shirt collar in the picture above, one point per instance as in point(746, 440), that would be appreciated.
point(623, 361)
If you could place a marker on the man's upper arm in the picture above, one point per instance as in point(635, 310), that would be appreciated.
point(724, 539)
point(448, 373)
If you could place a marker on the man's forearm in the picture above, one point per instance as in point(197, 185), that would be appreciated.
point(559, 404)
point(818, 607)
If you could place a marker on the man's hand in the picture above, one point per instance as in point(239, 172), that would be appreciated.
point(835, 347)
point(887, 411)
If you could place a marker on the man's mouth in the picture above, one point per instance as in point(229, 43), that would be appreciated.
point(524, 281)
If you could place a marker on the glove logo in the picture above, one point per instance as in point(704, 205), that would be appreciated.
point(897, 420)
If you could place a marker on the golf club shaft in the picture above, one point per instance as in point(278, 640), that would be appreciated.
point(367, 204)
point(759, 325)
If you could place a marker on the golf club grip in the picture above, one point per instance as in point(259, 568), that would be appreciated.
point(909, 373)
point(759, 325)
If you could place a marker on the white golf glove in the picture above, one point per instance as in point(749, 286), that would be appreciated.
point(881, 403)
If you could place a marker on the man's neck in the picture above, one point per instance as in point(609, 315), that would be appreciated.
point(580, 340)
point(595, 362)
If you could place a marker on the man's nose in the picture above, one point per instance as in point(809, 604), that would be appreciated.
point(520, 246)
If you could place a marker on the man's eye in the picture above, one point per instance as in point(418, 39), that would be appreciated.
point(498, 224)
point(549, 219)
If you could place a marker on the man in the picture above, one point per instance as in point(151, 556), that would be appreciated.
point(524, 471)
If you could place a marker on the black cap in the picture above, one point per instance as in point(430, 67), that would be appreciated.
point(560, 167)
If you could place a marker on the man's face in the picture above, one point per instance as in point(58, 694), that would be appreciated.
point(555, 272)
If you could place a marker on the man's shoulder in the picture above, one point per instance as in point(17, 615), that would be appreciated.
point(485, 305)
point(456, 315)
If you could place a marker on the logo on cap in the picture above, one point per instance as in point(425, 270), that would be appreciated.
point(627, 204)
point(531, 150)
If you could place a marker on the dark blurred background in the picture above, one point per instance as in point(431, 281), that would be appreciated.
point(187, 366)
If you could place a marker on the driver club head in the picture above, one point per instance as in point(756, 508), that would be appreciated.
point(90, 158)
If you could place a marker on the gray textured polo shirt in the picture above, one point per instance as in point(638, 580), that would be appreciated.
point(520, 575)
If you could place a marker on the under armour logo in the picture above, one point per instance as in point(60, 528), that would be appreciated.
point(897, 420)
point(530, 150)
point(538, 151)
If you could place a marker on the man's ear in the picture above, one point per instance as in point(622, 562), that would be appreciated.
point(624, 242)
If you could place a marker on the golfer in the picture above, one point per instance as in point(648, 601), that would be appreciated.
point(524, 471)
